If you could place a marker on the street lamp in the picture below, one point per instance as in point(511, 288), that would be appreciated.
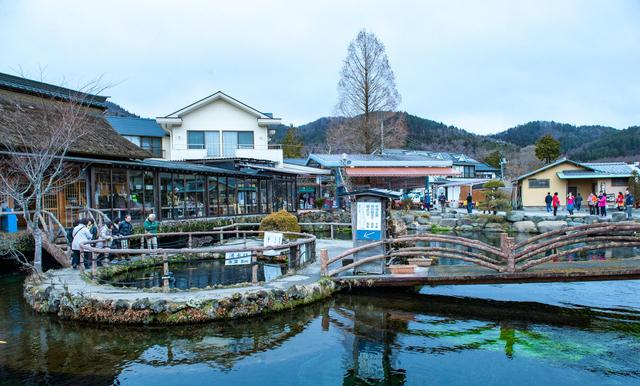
point(503, 161)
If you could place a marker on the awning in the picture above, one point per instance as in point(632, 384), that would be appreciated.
point(400, 172)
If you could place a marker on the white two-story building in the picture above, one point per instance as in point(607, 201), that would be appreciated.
point(218, 127)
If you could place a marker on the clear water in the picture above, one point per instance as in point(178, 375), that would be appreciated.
point(534, 334)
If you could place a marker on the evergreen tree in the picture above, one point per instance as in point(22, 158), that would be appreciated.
point(547, 149)
point(634, 185)
point(493, 159)
point(292, 144)
point(494, 198)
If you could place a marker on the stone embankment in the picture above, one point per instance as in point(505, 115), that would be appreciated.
point(515, 222)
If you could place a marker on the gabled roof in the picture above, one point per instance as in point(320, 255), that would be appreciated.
point(555, 163)
point(46, 90)
point(144, 127)
point(482, 167)
point(214, 97)
point(375, 160)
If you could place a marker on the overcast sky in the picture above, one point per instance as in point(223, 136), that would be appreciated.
point(481, 65)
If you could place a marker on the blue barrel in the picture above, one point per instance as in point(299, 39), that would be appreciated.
point(9, 221)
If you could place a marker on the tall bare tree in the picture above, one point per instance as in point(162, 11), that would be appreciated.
point(367, 94)
point(37, 133)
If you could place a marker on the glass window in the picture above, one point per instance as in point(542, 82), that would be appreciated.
point(102, 198)
point(232, 208)
point(133, 139)
point(178, 196)
point(195, 139)
point(212, 143)
point(213, 196)
point(194, 190)
point(153, 145)
point(149, 194)
point(247, 197)
point(619, 181)
point(222, 195)
point(120, 192)
point(166, 195)
point(136, 195)
point(538, 184)
point(264, 196)
point(229, 143)
point(245, 139)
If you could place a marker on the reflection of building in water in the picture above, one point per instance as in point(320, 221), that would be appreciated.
point(370, 337)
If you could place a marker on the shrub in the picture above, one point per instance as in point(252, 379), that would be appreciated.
point(281, 221)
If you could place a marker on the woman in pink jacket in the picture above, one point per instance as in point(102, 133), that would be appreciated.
point(602, 203)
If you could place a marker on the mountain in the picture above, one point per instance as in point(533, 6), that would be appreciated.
point(115, 110)
point(571, 137)
point(622, 145)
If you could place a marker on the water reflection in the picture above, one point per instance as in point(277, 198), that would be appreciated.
point(372, 338)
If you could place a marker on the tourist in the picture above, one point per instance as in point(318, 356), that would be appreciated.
point(591, 203)
point(548, 200)
point(629, 202)
point(105, 236)
point(555, 202)
point(427, 201)
point(620, 202)
point(596, 204)
point(578, 202)
point(570, 203)
point(469, 203)
point(602, 204)
point(442, 199)
point(80, 234)
point(151, 230)
point(125, 229)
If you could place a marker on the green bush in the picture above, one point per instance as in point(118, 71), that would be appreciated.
point(281, 221)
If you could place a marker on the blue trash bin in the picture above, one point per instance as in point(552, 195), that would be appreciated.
point(9, 221)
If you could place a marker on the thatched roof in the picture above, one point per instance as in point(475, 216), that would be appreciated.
point(35, 117)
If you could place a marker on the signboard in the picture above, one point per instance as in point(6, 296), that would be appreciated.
point(237, 258)
point(272, 238)
point(271, 271)
point(369, 221)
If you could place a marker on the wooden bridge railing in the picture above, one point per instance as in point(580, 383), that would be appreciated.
point(509, 257)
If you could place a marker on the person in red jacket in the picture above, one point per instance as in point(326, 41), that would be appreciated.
point(555, 203)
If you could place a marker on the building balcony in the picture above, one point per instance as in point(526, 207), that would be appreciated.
point(263, 152)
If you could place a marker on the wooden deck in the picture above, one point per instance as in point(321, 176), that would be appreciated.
point(591, 270)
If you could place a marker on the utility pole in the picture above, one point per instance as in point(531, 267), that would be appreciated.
point(382, 137)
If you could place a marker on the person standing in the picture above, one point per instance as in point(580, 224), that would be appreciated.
point(578, 202)
point(602, 204)
point(620, 202)
point(125, 229)
point(555, 202)
point(590, 203)
point(443, 202)
point(104, 233)
point(80, 234)
point(151, 230)
point(469, 203)
point(629, 202)
point(596, 204)
point(570, 203)
point(548, 200)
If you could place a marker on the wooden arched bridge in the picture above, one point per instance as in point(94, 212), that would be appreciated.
point(603, 251)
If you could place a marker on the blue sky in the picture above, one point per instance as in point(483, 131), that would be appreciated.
point(481, 65)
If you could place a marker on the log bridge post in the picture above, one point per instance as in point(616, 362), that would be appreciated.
point(254, 267)
point(506, 246)
point(165, 273)
point(324, 261)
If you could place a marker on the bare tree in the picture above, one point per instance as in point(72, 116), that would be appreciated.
point(37, 133)
point(367, 94)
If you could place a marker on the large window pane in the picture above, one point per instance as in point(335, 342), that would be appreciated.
point(247, 197)
point(213, 197)
point(136, 195)
point(222, 195)
point(149, 194)
point(152, 145)
point(178, 196)
point(134, 139)
point(232, 196)
point(245, 139)
point(195, 139)
point(120, 193)
point(264, 196)
point(212, 143)
point(166, 196)
point(102, 197)
point(194, 195)
point(229, 143)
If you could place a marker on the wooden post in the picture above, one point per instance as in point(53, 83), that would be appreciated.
point(165, 273)
point(324, 261)
point(190, 244)
point(331, 231)
point(237, 234)
point(293, 258)
point(94, 266)
point(81, 261)
point(506, 245)
point(254, 268)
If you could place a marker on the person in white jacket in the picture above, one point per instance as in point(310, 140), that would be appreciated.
point(81, 233)
point(104, 233)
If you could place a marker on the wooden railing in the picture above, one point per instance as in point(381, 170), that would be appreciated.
point(508, 258)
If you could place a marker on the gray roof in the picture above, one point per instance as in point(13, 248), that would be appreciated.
point(593, 170)
point(610, 167)
point(482, 167)
point(296, 161)
point(33, 87)
point(144, 127)
point(455, 158)
point(376, 160)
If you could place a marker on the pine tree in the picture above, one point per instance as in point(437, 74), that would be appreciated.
point(547, 149)
point(292, 144)
point(493, 159)
point(494, 198)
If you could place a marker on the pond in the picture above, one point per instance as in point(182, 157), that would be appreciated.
point(198, 274)
point(553, 334)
